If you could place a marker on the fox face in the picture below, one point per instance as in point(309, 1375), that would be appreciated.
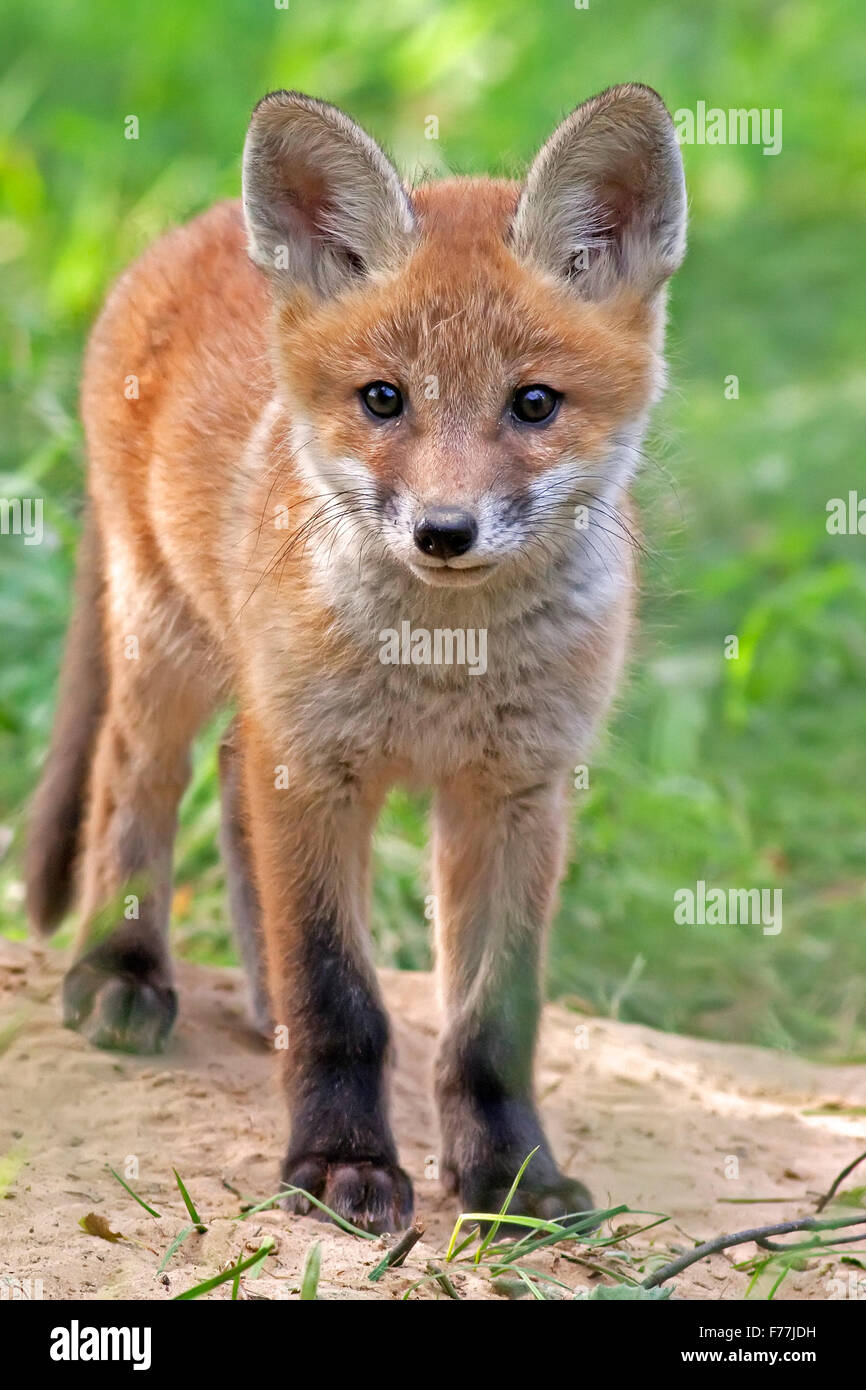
point(466, 365)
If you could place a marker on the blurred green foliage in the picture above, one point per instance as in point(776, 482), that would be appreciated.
point(745, 772)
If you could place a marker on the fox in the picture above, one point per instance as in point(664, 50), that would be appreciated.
point(338, 406)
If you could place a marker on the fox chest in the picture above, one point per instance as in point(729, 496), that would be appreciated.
point(429, 710)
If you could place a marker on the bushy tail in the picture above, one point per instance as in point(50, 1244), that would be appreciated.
point(58, 807)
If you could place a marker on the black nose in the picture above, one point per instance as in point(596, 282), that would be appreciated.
point(445, 532)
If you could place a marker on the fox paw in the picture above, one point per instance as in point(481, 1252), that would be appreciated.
point(370, 1193)
point(120, 1007)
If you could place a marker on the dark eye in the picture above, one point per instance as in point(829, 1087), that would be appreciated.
point(534, 404)
point(383, 400)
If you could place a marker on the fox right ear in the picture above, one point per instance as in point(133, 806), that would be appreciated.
point(604, 203)
point(322, 203)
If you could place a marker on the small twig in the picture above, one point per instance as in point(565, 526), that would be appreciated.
point(778, 1249)
point(399, 1250)
point(828, 1196)
point(757, 1234)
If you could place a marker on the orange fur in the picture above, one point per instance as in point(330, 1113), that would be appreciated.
point(255, 537)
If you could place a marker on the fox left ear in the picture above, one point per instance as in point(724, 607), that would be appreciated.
point(604, 203)
point(322, 202)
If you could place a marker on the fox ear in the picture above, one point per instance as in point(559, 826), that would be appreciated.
point(604, 203)
point(322, 203)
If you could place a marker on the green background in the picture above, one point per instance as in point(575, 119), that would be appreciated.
point(745, 773)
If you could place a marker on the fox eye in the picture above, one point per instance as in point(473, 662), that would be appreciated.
point(382, 400)
point(534, 404)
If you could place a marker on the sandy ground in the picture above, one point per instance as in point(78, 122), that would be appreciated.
point(656, 1121)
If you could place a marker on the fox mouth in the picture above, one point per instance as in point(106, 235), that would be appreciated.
point(444, 575)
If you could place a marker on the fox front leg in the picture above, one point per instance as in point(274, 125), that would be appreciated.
point(498, 858)
point(311, 839)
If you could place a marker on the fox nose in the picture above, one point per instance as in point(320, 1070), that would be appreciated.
point(445, 532)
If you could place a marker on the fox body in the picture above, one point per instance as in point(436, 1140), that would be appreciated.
point(312, 419)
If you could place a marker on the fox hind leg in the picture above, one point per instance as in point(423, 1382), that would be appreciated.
point(242, 891)
point(119, 992)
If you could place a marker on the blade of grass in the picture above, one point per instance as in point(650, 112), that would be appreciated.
point(532, 1286)
point(188, 1203)
point(534, 1273)
point(506, 1204)
point(527, 1246)
point(311, 1271)
point(441, 1278)
point(135, 1195)
point(630, 1235)
point(462, 1246)
point(772, 1294)
point(292, 1191)
point(479, 1216)
point(233, 1272)
point(175, 1245)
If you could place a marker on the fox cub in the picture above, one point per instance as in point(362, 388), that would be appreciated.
point(341, 438)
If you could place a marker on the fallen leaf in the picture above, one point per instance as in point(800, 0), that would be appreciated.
point(96, 1225)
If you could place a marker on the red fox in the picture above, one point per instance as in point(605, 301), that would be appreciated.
point(359, 465)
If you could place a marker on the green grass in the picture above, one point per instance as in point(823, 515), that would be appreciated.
point(743, 773)
point(501, 1247)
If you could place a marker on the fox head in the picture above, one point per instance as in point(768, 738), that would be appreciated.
point(470, 362)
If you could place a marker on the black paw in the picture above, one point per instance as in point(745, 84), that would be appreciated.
point(370, 1193)
point(118, 1003)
